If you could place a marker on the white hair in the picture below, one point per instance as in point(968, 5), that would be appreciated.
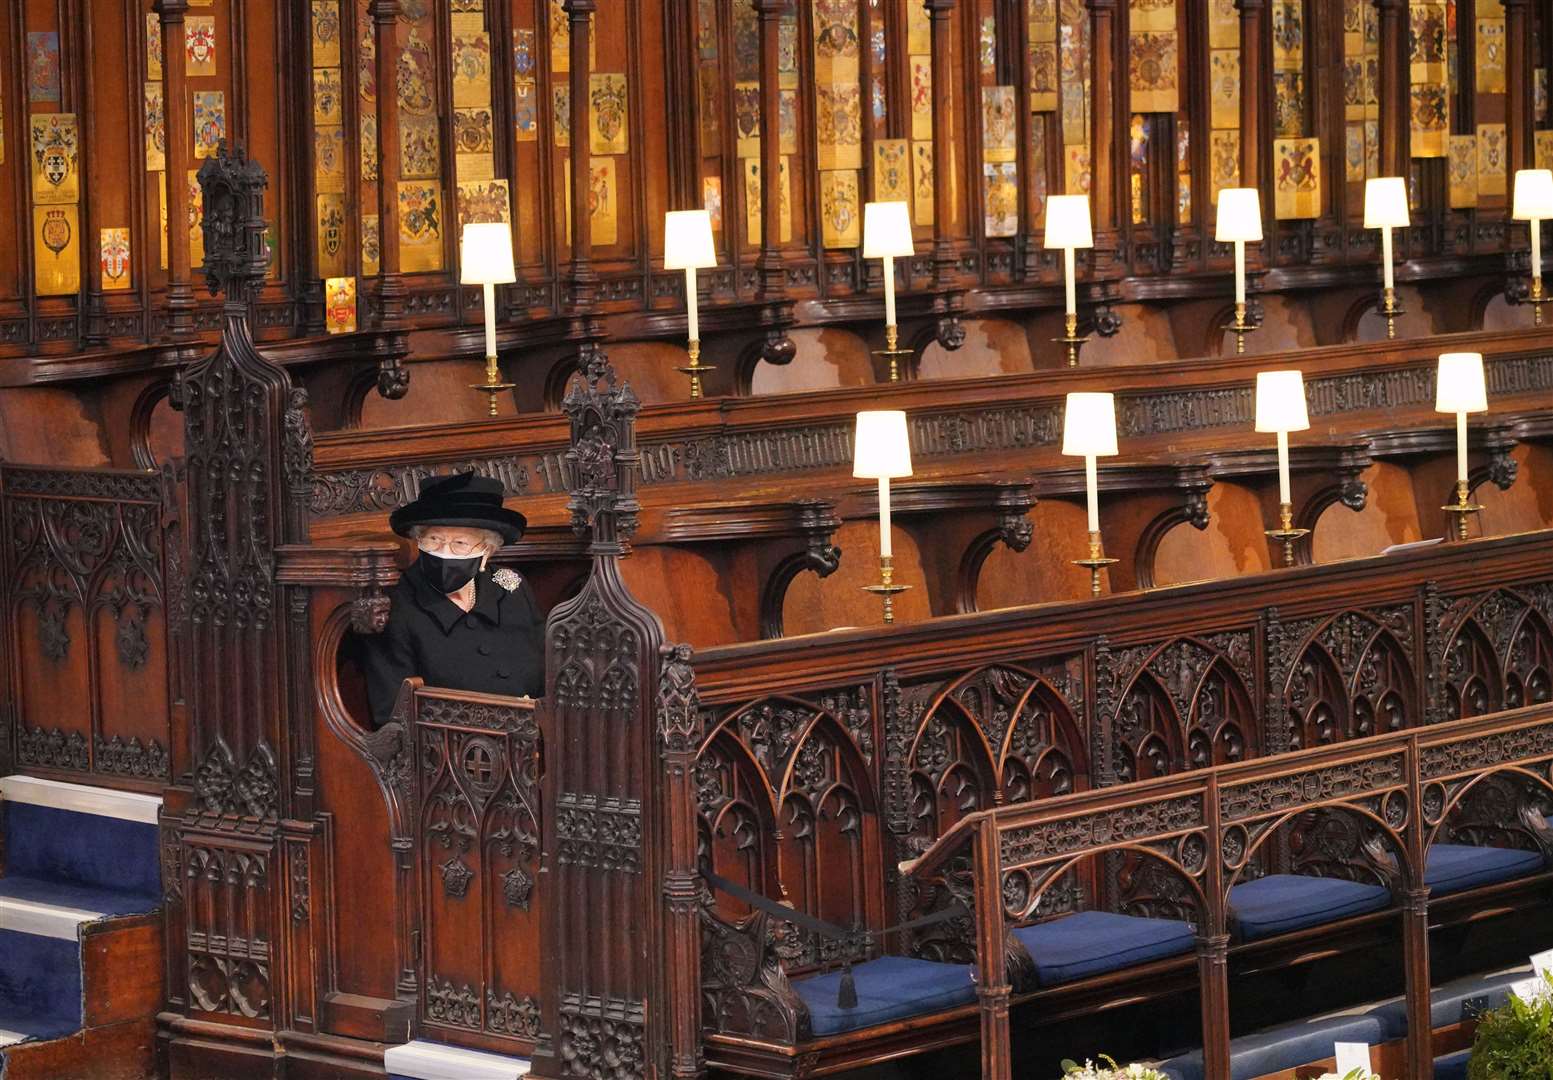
point(489, 537)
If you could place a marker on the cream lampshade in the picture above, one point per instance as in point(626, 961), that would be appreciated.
point(1385, 203)
point(881, 449)
point(1533, 195)
point(1089, 426)
point(1459, 387)
point(1280, 401)
point(687, 240)
point(1067, 222)
point(886, 231)
point(1240, 216)
point(485, 255)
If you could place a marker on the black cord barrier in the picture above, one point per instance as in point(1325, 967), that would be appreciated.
point(846, 992)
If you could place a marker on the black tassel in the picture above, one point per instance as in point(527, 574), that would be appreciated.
point(846, 993)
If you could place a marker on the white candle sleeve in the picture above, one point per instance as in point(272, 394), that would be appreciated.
point(691, 305)
point(1385, 249)
point(1240, 271)
point(490, 319)
point(1067, 271)
point(889, 290)
point(1536, 248)
point(1461, 447)
point(1283, 467)
point(1091, 484)
point(885, 550)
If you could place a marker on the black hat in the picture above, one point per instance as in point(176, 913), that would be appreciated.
point(463, 500)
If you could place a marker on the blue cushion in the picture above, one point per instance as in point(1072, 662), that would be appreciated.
point(1452, 1003)
point(1452, 1066)
point(1280, 1048)
point(1453, 867)
point(1091, 942)
point(1279, 903)
point(40, 978)
point(82, 849)
point(889, 988)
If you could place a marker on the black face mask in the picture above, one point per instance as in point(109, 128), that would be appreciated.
point(448, 575)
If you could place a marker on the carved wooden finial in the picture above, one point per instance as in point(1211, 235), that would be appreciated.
point(603, 461)
point(236, 253)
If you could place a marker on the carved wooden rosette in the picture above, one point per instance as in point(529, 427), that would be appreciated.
point(234, 936)
point(604, 957)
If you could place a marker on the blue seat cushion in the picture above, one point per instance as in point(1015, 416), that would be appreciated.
point(1453, 867)
point(1092, 942)
point(1280, 1048)
point(81, 897)
point(889, 988)
point(1279, 903)
point(1452, 1003)
point(1452, 1066)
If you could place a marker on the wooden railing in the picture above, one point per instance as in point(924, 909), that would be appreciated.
point(827, 759)
point(1405, 790)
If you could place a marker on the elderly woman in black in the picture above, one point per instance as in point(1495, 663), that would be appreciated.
point(454, 623)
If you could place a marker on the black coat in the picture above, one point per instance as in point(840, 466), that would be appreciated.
point(498, 647)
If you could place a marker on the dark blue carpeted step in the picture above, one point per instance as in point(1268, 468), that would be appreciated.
point(84, 836)
point(40, 977)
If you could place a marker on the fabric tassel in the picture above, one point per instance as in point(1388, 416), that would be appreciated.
point(846, 993)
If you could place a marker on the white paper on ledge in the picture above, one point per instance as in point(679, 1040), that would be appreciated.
point(1542, 963)
point(1529, 990)
point(1351, 1056)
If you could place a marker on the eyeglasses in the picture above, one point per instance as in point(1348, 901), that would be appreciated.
point(438, 542)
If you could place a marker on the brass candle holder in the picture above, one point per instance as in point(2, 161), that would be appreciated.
point(1536, 298)
point(1071, 338)
point(695, 369)
point(1390, 308)
point(1286, 533)
point(892, 351)
point(493, 385)
point(1095, 563)
point(1462, 509)
point(1240, 328)
point(886, 589)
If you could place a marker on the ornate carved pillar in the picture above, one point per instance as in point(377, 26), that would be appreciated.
point(1519, 117)
point(248, 449)
point(180, 150)
point(941, 12)
point(605, 955)
point(583, 279)
point(1104, 196)
point(1252, 31)
point(390, 285)
point(1415, 927)
point(1394, 87)
point(1213, 945)
point(679, 732)
point(1027, 256)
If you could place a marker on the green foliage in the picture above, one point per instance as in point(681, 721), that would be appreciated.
point(1515, 1042)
